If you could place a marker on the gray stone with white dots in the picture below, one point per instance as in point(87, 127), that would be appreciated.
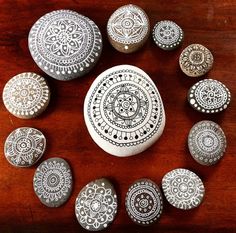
point(65, 44)
point(167, 35)
point(206, 142)
point(96, 205)
point(209, 96)
point(144, 202)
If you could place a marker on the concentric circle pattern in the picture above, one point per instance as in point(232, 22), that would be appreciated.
point(206, 142)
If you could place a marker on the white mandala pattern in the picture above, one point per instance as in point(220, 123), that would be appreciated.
point(206, 142)
point(53, 182)
point(209, 96)
point(196, 60)
point(24, 146)
point(128, 25)
point(167, 34)
point(144, 202)
point(26, 95)
point(96, 206)
point(183, 189)
point(65, 44)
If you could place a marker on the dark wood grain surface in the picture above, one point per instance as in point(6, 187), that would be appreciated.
point(211, 23)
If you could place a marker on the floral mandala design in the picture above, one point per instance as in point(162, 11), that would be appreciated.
point(53, 180)
point(183, 188)
point(96, 206)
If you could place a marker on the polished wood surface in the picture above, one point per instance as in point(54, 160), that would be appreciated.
point(211, 23)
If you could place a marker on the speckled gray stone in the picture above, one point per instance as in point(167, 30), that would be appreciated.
point(65, 44)
point(167, 35)
point(196, 60)
point(96, 205)
point(26, 95)
point(128, 28)
point(209, 96)
point(183, 189)
point(143, 202)
point(24, 146)
point(206, 142)
point(53, 182)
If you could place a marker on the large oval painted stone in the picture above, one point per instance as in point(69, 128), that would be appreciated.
point(123, 111)
point(65, 44)
point(209, 96)
point(96, 205)
point(53, 182)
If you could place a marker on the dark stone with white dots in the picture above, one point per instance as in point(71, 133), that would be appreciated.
point(96, 205)
point(167, 35)
point(209, 96)
point(144, 202)
point(65, 44)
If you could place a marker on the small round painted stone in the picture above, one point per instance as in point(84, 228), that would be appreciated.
point(209, 96)
point(26, 95)
point(53, 182)
point(206, 142)
point(196, 60)
point(123, 111)
point(144, 202)
point(24, 146)
point(183, 189)
point(167, 35)
point(96, 205)
point(128, 28)
point(65, 44)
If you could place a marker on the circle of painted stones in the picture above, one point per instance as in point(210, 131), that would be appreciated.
point(206, 142)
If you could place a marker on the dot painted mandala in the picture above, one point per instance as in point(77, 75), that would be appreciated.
point(65, 43)
point(206, 142)
point(96, 206)
point(209, 96)
point(26, 95)
point(53, 182)
point(124, 108)
point(128, 25)
point(183, 188)
point(144, 202)
point(24, 146)
point(196, 60)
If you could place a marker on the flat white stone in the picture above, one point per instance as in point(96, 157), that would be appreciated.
point(65, 44)
point(123, 111)
point(183, 189)
point(53, 182)
point(24, 146)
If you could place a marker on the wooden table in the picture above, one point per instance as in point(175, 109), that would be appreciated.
point(211, 23)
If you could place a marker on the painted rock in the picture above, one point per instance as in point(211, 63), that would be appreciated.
point(167, 35)
point(206, 142)
point(196, 60)
point(96, 205)
point(123, 111)
point(183, 189)
point(26, 95)
point(144, 202)
point(53, 182)
point(65, 44)
point(24, 146)
point(209, 96)
point(128, 28)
